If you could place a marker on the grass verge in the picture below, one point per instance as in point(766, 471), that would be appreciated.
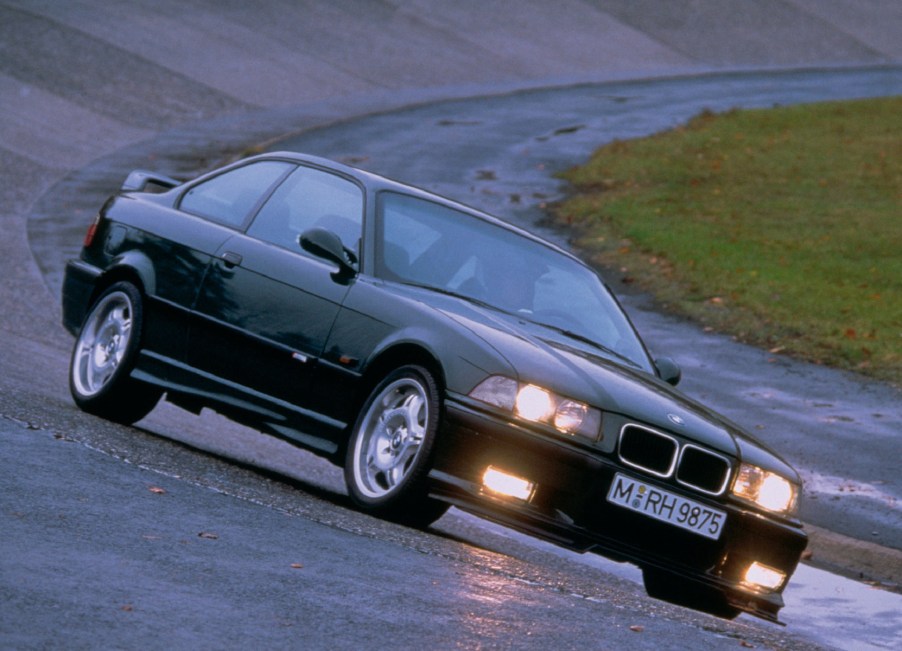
point(780, 226)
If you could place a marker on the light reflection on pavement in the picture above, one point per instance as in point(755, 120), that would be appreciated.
point(820, 606)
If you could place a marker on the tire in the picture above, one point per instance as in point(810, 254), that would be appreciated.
point(669, 587)
point(104, 355)
point(390, 449)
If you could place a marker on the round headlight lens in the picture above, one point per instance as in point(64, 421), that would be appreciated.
point(570, 415)
point(766, 489)
point(534, 403)
point(776, 493)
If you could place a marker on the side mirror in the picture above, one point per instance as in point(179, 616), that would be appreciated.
point(668, 370)
point(327, 245)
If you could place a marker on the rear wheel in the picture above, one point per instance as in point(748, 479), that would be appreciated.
point(390, 449)
point(669, 587)
point(105, 353)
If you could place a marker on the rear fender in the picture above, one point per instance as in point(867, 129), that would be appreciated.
point(134, 266)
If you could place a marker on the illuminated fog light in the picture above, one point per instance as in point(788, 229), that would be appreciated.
point(498, 481)
point(761, 576)
point(534, 403)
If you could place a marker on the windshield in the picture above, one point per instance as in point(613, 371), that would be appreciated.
point(431, 245)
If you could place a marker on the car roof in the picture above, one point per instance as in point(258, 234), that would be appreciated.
point(381, 183)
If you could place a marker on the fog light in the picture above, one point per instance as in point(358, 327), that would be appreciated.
point(502, 483)
point(761, 576)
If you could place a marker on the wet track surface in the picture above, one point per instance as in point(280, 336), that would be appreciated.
point(500, 154)
point(147, 545)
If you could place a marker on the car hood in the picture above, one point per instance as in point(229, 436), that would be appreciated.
point(577, 370)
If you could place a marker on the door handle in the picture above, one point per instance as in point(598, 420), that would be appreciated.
point(231, 260)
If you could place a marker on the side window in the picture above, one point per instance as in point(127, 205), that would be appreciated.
point(406, 239)
point(311, 198)
point(230, 197)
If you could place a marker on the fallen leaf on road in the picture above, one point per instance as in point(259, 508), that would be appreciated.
point(297, 566)
point(637, 629)
point(208, 535)
point(157, 490)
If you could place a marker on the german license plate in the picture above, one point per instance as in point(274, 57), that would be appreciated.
point(668, 507)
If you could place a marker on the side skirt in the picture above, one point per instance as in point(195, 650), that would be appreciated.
point(303, 427)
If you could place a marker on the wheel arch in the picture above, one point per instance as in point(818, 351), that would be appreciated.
point(408, 501)
point(133, 267)
point(384, 362)
point(396, 356)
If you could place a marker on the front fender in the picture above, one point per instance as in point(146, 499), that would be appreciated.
point(376, 320)
point(465, 359)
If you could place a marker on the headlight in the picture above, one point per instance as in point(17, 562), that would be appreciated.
point(766, 489)
point(533, 403)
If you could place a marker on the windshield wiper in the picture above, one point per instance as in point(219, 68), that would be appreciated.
point(570, 334)
point(564, 331)
point(450, 292)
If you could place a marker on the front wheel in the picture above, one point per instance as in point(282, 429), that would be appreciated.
point(390, 448)
point(104, 355)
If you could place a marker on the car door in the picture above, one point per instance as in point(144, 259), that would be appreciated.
point(266, 307)
point(177, 243)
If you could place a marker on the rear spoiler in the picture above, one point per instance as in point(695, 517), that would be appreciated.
point(138, 181)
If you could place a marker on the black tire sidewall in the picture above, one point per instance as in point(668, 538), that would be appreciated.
point(411, 493)
point(111, 400)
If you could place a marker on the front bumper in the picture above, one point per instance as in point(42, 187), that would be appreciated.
point(569, 506)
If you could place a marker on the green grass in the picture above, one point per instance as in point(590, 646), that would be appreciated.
point(782, 226)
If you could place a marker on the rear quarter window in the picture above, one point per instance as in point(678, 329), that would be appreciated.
point(230, 197)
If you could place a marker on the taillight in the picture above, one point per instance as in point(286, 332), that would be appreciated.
point(92, 231)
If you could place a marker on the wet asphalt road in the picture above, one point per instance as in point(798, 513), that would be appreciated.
point(507, 170)
point(145, 544)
